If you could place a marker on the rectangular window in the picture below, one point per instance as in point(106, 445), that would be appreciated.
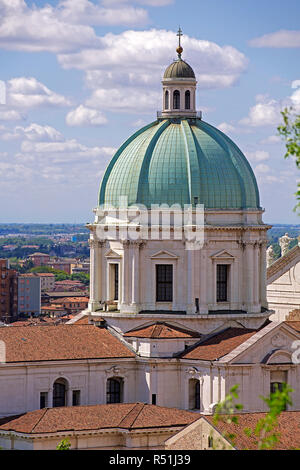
point(76, 398)
point(164, 283)
point(116, 283)
point(222, 282)
point(43, 400)
point(153, 398)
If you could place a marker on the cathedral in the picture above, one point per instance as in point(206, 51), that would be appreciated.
point(177, 312)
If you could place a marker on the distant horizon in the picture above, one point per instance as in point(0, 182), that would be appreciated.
point(83, 223)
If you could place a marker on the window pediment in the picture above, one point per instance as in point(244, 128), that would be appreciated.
point(223, 255)
point(164, 254)
point(112, 254)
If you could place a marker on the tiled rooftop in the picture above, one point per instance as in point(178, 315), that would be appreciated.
point(219, 345)
point(79, 418)
point(161, 330)
point(62, 342)
point(288, 427)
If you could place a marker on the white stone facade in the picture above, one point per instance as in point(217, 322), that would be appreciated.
point(158, 371)
point(240, 244)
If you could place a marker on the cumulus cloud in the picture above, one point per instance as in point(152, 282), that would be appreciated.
point(125, 100)
point(64, 27)
point(7, 114)
point(84, 116)
point(258, 156)
point(34, 132)
point(262, 168)
point(140, 57)
point(27, 92)
point(87, 12)
point(226, 128)
point(281, 39)
point(272, 139)
point(266, 112)
point(126, 71)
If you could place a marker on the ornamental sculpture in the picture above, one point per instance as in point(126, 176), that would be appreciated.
point(284, 242)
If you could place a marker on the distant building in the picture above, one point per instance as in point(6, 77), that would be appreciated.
point(47, 281)
point(29, 294)
point(39, 259)
point(8, 292)
point(83, 267)
point(62, 265)
point(69, 285)
point(73, 304)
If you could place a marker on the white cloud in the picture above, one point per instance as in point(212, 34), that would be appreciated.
point(281, 39)
point(266, 112)
point(28, 92)
point(262, 168)
point(226, 127)
point(126, 71)
point(64, 27)
point(139, 57)
point(83, 116)
point(272, 139)
point(40, 29)
point(125, 99)
point(258, 156)
point(7, 114)
point(66, 151)
point(87, 12)
point(152, 3)
point(34, 132)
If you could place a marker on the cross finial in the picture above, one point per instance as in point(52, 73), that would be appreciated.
point(179, 49)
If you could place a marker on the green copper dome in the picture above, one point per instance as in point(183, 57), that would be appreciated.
point(179, 69)
point(174, 161)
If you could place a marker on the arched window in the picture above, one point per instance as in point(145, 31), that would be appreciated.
point(187, 100)
point(59, 393)
point(176, 100)
point(114, 390)
point(194, 394)
point(167, 100)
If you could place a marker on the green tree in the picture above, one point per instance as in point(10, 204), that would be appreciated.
point(290, 132)
point(264, 434)
point(65, 444)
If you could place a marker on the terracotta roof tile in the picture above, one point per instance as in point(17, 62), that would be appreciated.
point(161, 330)
point(49, 343)
point(288, 427)
point(219, 345)
point(93, 417)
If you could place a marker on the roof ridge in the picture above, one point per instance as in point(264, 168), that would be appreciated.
point(42, 416)
point(273, 269)
point(137, 408)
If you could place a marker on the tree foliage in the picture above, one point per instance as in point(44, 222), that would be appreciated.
point(265, 433)
point(65, 444)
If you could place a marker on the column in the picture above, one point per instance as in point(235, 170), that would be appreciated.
point(135, 273)
point(248, 275)
point(190, 282)
point(203, 280)
point(256, 277)
point(125, 276)
point(263, 274)
point(94, 275)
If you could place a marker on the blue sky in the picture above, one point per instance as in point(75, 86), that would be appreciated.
point(81, 76)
